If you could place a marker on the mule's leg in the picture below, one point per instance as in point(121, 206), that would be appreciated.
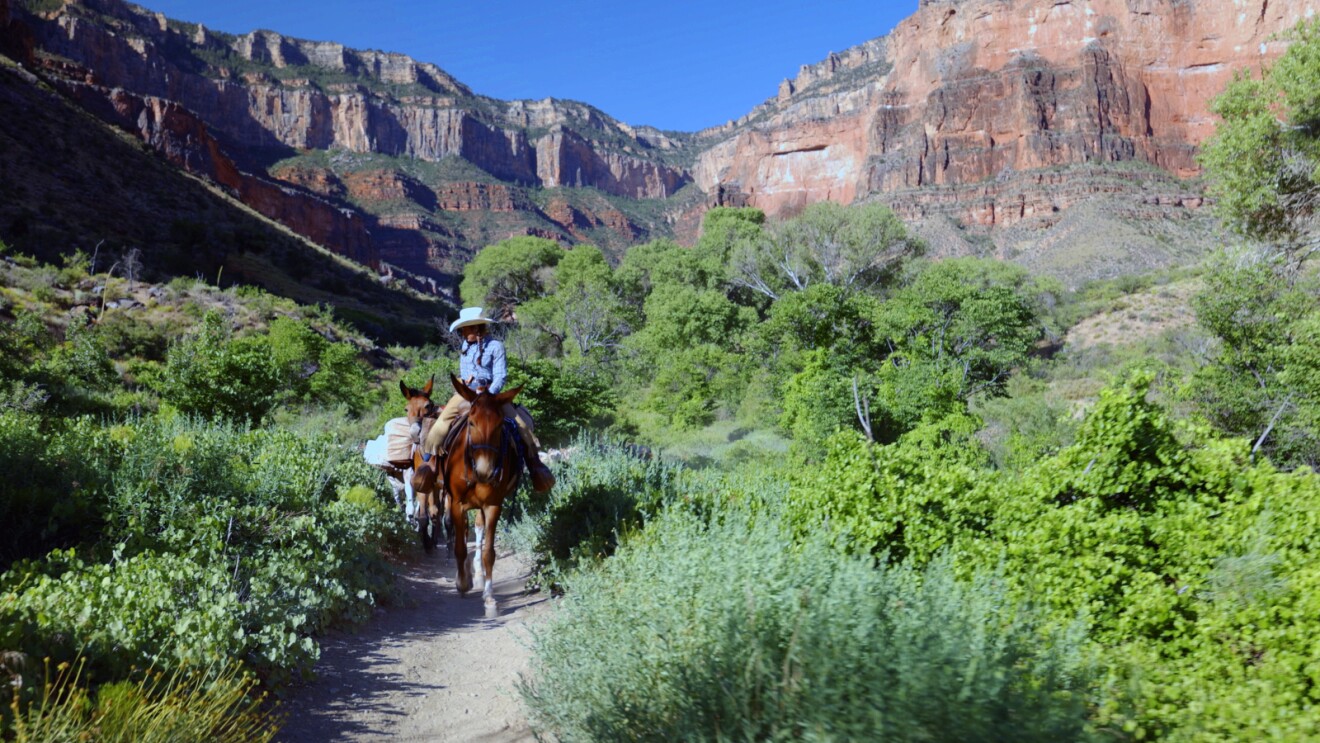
point(463, 581)
point(408, 492)
point(480, 529)
point(492, 514)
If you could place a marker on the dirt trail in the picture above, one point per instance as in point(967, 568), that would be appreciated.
point(432, 667)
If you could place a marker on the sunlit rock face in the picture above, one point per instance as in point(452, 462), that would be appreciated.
point(972, 91)
point(982, 113)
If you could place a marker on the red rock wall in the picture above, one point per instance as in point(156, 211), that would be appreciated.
point(257, 111)
point(979, 88)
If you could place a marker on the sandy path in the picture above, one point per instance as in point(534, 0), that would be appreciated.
point(432, 667)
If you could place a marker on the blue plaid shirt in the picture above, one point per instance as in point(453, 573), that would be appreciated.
point(486, 366)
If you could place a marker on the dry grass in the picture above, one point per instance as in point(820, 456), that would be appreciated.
point(1137, 317)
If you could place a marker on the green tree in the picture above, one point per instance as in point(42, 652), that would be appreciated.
point(214, 375)
point(1264, 159)
point(856, 247)
point(1261, 382)
point(509, 273)
point(687, 355)
point(958, 329)
point(1264, 168)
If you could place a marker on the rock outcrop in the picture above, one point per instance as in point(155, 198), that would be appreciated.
point(481, 197)
point(279, 92)
point(182, 139)
point(974, 91)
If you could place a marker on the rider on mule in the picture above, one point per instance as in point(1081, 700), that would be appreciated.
point(482, 366)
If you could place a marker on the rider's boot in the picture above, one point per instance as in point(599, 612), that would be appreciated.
point(542, 478)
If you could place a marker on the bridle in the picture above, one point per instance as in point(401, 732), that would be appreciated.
point(416, 425)
point(501, 453)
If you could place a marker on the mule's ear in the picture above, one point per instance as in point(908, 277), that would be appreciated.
point(407, 393)
point(463, 390)
point(426, 390)
point(508, 395)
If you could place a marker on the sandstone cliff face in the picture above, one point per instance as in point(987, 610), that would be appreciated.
point(970, 91)
point(359, 101)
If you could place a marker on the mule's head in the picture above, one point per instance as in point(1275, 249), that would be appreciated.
point(419, 402)
point(485, 427)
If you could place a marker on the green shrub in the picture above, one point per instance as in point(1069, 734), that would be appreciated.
point(562, 402)
point(602, 491)
point(129, 335)
point(47, 495)
point(231, 543)
point(717, 631)
point(214, 374)
point(1191, 564)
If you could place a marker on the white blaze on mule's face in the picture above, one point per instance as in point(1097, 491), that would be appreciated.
point(484, 464)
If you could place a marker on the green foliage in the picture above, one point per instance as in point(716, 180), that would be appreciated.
point(857, 247)
point(911, 498)
point(721, 633)
point(563, 402)
point(1029, 423)
point(47, 495)
point(1187, 560)
point(958, 329)
point(602, 491)
point(229, 543)
point(213, 374)
point(1262, 160)
point(659, 263)
point(510, 273)
point(82, 358)
point(582, 317)
point(688, 352)
point(1262, 382)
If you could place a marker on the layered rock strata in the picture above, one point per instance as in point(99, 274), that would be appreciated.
point(994, 114)
point(971, 91)
point(264, 90)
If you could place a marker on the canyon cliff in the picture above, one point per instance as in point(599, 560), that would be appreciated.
point(981, 91)
point(983, 122)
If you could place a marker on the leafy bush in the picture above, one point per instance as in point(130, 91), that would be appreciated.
point(229, 543)
point(1189, 561)
point(213, 374)
point(602, 491)
point(907, 499)
point(47, 496)
point(719, 632)
point(563, 402)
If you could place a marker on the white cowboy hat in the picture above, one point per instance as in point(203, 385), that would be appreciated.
point(469, 316)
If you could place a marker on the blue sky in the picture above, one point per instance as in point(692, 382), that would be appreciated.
point(679, 64)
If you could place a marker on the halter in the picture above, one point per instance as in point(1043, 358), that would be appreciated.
point(501, 452)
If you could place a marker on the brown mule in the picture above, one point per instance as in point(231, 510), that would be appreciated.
point(432, 508)
point(482, 468)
